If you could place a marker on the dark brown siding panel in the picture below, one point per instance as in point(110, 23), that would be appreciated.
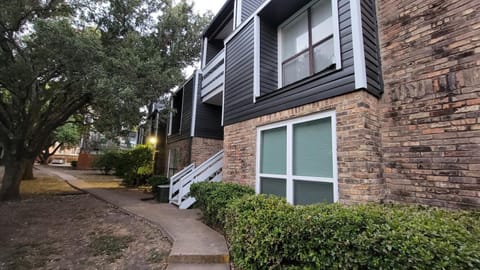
point(239, 104)
point(248, 7)
point(372, 58)
point(208, 122)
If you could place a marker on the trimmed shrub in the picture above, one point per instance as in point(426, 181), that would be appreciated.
point(268, 233)
point(212, 199)
point(133, 166)
point(107, 161)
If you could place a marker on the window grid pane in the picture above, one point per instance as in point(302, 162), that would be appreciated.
point(312, 148)
point(273, 156)
point(296, 69)
point(323, 55)
point(295, 37)
point(306, 192)
point(322, 26)
point(273, 186)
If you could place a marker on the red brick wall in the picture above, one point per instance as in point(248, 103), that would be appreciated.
point(204, 148)
point(358, 143)
point(183, 150)
point(431, 106)
point(85, 161)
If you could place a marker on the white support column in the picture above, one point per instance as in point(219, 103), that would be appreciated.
point(358, 46)
point(204, 54)
point(256, 58)
point(194, 109)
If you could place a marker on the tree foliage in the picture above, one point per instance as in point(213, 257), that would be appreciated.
point(67, 136)
point(107, 57)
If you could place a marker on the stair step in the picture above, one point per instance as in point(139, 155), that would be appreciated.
point(185, 266)
point(198, 259)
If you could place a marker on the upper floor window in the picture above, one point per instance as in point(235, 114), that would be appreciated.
point(306, 42)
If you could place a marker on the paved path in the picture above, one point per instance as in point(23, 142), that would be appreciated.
point(195, 245)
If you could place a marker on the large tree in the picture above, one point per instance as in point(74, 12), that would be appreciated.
point(110, 56)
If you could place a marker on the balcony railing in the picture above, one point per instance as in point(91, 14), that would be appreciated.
point(213, 77)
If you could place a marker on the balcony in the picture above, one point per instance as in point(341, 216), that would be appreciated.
point(213, 82)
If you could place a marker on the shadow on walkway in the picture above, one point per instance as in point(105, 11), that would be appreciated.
point(195, 245)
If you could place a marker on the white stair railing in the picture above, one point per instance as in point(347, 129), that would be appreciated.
point(175, 183)
point(208, 171)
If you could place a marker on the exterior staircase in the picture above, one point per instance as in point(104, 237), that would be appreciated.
point(208, 171)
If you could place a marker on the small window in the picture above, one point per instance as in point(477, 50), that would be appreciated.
point(297, 159)
point(307, 42)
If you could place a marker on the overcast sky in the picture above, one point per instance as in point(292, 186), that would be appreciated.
point(204, 5)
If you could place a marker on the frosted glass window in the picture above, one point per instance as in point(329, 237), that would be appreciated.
point(295, 37)
point(312, 148)
point(273, 186)
point(323, 55)
point(296, 69)
point(321, 21)
point(306, 192)
point(273, 157)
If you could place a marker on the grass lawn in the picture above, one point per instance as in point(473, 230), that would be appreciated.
point(45, 185)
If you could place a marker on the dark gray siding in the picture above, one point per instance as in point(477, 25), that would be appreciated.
point(239, 104)
point(268, 58)
point(187, 107)
point(177, 115)
point(214, 46)
point(239, 76)
point(208, 121)
point(182, 119)
point(249, 6)
point(372, 57)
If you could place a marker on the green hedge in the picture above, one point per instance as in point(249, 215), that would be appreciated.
point(268, 233)
point(212, 199)
point(133, 166)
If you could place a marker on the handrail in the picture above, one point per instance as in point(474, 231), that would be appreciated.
point(175, 181)
point(214, 62)
point(210, 170)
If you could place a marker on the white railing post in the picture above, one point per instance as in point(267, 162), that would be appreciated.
point(210, 170)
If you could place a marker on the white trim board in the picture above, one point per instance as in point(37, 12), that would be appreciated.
point(244, 23)
point(170, 116)
point(256, 58)
point(204, 56)
point(237, 13)
point(358, 47)
point(194, 109)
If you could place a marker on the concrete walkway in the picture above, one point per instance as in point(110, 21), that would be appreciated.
point(195, 245)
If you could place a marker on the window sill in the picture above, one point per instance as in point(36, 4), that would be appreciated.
point(330, 70)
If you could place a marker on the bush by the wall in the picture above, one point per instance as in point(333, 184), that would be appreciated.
point(107, 161)
point(268, 233)
point(136, 165)
point(133, 166)
point(212, 199)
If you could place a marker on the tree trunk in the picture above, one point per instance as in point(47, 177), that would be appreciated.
point(10, 189)
point(28, 174)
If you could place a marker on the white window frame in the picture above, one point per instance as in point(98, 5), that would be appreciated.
point(289, 172)
point(335, 30)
